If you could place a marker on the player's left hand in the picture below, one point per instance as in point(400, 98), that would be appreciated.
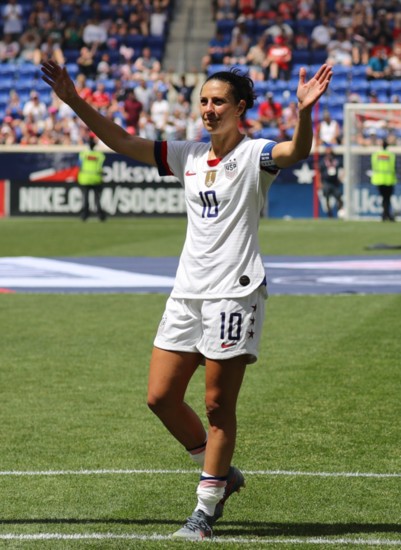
point(309, 92)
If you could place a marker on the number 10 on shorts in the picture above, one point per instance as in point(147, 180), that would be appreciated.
point(230, 326)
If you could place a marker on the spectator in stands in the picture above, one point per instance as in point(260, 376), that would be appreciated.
point(321, 34)
point(226, 9)
point(14, 105)
point(289, 120)
point(329, 131)
point(305, 9)
point(269, 115)
point(48, 49)
point(94, 33)
point(247, 8)
point(159, 112)
point(380, 46)
point(132, 109)
point(278, 59)
point(182, 87)
point(144, 94)
point(86, 61)
point(394, 61)
point(29, 42)
point(330, 178)
point(158, 20)
point(239, 44)
point(7, 132)
point(103, 69)
point(12, 14)
point(378, 66)
point(72, 36)
point(219, 48)
point(9, 49)
point(147, 65)
point(146, 126)
point(35, 108)
point(138, 23)
point(255, 59)
point(100, 98)
point(82, 88)
point(339, 50)
point(279, 28)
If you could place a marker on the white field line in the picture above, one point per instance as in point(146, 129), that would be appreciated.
point(175, 472)
point(232, 540)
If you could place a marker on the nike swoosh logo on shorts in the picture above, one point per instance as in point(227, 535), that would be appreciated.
point(225, 346)
point(189, 173)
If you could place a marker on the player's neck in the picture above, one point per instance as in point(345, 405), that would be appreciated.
point(222, 145)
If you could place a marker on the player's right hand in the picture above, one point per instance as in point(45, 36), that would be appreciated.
point(58, 78)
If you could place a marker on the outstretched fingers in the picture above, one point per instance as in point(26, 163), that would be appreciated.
point(324, 74)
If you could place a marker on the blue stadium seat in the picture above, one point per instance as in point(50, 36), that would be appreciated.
point(380, 85)
point(358, 70)
point(359, 84)
point(270, 133)
point(225, 26)
point(395, 87)
point(301, 57)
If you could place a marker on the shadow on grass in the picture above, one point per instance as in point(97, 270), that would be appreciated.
point(226, 528)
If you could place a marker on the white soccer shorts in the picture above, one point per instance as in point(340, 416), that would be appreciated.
point(218, 329)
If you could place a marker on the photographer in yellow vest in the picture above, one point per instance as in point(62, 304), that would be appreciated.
point(90, 178)
point(384, 176)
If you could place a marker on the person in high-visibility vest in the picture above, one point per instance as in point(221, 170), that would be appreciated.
point(384, 176)
point(90, 178)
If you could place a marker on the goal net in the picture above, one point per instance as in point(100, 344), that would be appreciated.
point(366, 126)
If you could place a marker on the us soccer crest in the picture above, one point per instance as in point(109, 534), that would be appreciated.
point(210, 177)
point(231, 170)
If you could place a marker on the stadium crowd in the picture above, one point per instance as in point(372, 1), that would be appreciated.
point(114, 50)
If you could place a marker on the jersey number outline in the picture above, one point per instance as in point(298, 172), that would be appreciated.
point(233, 328)
point(210, 207)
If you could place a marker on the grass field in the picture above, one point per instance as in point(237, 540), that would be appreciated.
point(84, 464)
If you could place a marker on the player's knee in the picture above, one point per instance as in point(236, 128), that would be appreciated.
point(157, 404)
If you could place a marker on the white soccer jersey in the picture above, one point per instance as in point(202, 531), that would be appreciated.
point(224, 198)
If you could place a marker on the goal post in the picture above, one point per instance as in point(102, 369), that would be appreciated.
point(365, 128)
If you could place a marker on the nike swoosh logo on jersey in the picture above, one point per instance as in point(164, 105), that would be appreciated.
point(225, 346)
point(188, 173)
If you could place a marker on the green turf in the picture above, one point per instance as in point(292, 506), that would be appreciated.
point(165, 236)
point(324, 397)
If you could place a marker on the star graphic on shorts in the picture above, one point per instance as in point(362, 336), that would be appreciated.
point(253, 321)
point(255, 307)
point(251, 333)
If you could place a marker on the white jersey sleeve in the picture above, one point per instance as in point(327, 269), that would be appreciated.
point(224, 199)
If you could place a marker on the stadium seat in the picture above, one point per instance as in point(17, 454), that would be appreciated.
point(302, 57)
point(380, 85)
point(358, 70)
point(225, 26)
point(270, 133)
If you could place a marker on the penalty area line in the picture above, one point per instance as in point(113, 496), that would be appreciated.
point(223, 540)
point(180, 471)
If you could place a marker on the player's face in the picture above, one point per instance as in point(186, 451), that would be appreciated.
point(218, 109)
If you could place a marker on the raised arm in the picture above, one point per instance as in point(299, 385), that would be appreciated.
point(108, 131)
point(288, 153)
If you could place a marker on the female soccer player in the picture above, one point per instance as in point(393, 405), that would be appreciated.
point(215, 312)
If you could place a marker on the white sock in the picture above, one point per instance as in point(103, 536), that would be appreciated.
point(198, 454)
point(210, 491)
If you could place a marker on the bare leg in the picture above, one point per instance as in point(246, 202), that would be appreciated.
point(169, 376)
point(223, 383)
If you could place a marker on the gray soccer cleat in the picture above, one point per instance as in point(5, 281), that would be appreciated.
point(197, 527)
point(235, 480)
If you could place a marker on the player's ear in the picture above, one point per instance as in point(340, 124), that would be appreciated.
point(241, 107)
